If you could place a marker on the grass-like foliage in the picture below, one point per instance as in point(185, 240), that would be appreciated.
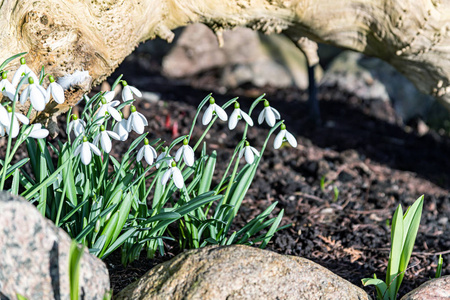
point(137, 200)
point(403, 235)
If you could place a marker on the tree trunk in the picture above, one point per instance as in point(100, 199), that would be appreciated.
point(96, 35)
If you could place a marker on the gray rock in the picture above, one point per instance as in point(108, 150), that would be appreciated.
point(373, 79)
point(240, 272)
point(34, 256)
point(435, 289)
point(246, 57)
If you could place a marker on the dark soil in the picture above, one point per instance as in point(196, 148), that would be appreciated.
point(361, 149)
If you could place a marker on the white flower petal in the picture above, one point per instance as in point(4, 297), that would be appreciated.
point(77, 150)
point(23, 119)
point(57, 92)
point(261, 116)
point(148, 154)
point(137, 123)
point(95, 149)
point(166, 176)
point(85, 154)
point(114, 113)
point(109, 96)
point(121, 129)
point(270, 117)
point(221, 113)
point(249, 156)
point(276, 113)
point(69, 129)
point(247, 118)
point(24, 95)
point(241, 152)
point(126, 93)
point(256, 152)
point(37, 99)
point(113, 135)
point(233, 119)
point(178, 178)
point(4, 116)
point(135, 91)
point(188, 156)
point(105, 141)
point(39, 133)
point(207, 116)
point(291, 139)
point(96, 139)
point(279, 139)
point(140, 154)
point(143, 118)
point(179, 154)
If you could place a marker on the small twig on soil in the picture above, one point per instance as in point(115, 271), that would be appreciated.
point(312, 197)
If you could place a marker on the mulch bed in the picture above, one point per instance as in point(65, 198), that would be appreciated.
point(361, 149)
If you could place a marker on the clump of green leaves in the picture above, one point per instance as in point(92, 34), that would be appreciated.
point(403, 235)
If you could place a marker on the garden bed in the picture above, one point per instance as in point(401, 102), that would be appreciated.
point(338, 188)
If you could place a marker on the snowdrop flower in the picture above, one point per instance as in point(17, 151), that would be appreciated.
point(23, 70)
point(6, 87)
point(237, 115)
point(284, 136)
point(54, 90)
point(121, 128)
point(268, 113)
point(78, 126)
point(36, 93)
point(37, 132)
point(84, 150)
point(147, 152)
point(104, 137)
point(213, 109)
point(14, 132)
point(249, 153)
point(128, 91)
point(162, 156)
point(110, 108)
point(136, 121)
point(109, 96)
point(187, 152)
point(174, 173)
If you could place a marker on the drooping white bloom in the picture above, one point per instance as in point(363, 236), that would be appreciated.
point(36, 93)
point(109, 96)
point(110, 108)
point(78, 126)
point(284, 136)
point(104, 137)
point(70, 80)
point(136, 121)
point(270, 114)
point(85, 151)
point(187, 153)
point(6, 87)
point(23, 70)
point(174, 173)
point(249, 153)
point(237, 115)
point(121, 128)
point(147, 152)
point(54, 90)
point(162, 156)
point(14, 131)
point(37, 132)
point(213, 109)
point(128, 91)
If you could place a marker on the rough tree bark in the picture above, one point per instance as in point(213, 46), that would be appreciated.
point(96, 35)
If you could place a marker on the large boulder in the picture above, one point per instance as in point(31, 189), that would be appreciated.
point(34, 256)
point(246, 57)
point(239, 272)
point(372, 79)
point(438, 288)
